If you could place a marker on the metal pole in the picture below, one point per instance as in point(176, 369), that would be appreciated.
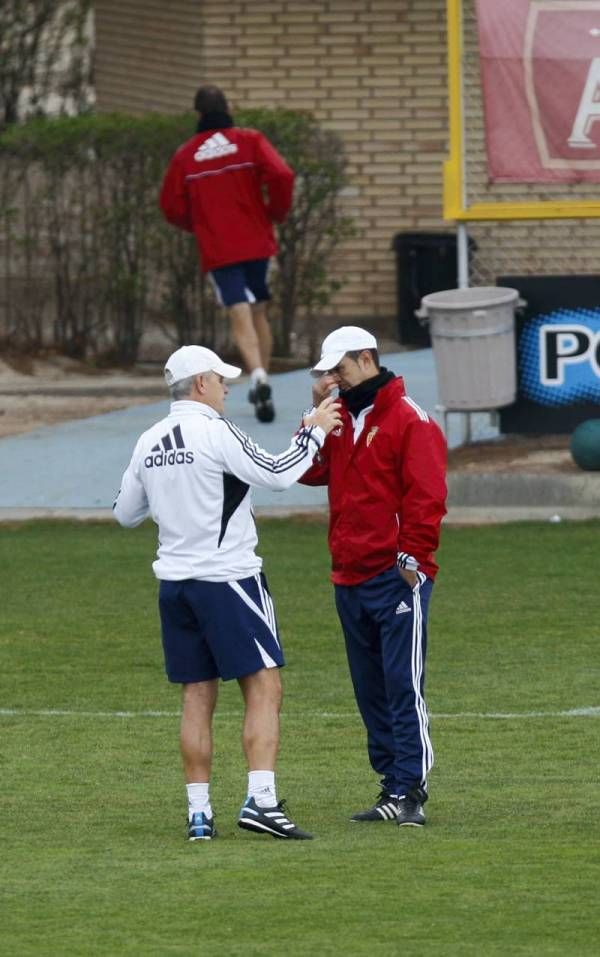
point(462, 246)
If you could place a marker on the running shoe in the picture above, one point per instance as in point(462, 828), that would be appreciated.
point(270, 820)
point(260, 397)
point(201, 827)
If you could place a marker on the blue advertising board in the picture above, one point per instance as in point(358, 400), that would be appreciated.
point(558, 354)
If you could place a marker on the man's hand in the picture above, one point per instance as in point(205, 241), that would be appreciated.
point(323, 386)
point(407, 567)
point(409, 577)
point(326, 415)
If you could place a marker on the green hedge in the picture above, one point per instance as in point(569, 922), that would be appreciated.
point(88, 261)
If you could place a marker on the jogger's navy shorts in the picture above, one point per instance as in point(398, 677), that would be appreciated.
point(241, 282)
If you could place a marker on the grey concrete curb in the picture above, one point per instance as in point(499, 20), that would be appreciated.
point(524, 490)
point(470, 515)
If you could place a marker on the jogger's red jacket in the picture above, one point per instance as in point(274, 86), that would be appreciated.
point(387, 492)
point(213, 188)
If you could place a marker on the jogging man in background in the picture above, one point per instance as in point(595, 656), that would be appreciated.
point(215, 188)
point(385, 472)
point(192, 472)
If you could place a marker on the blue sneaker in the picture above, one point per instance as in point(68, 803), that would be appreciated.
point(270, 820)
point(201, 827)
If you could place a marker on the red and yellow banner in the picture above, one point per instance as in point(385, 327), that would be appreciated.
point(540, 69)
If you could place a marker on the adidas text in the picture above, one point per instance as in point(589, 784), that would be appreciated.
point(169, 458)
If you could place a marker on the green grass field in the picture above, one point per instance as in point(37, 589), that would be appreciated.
point(93, 858)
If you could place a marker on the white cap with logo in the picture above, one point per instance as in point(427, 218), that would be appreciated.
point(194, 360)
point(338, 343)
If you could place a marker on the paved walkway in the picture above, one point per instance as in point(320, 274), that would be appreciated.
point(78, 464)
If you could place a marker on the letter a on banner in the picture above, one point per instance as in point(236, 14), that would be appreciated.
point(589, 110)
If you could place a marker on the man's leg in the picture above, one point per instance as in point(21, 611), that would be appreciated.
point(243, 289)
point(404, 645)
point(245, 335)
point(262, 693)
point(256, 273)
point(404, 639)
point(261, 812)
point(253, 338)
point(232, 292)
point(263, 331)
point(190, 663)
point(199, 699)
point(363, 650)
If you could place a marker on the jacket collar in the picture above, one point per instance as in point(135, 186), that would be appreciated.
point(190, 407)
point(214, 121)
point(386, 395)
point(390, 393)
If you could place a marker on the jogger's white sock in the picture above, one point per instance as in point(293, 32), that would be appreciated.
point(261, 787)
point(258, 375)
point(198, 800)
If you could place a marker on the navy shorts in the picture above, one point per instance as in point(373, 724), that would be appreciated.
point(218, 629)
point(241, 282)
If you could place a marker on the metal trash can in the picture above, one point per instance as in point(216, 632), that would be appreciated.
point(473, 339)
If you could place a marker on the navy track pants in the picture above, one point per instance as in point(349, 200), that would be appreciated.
point(385, 629)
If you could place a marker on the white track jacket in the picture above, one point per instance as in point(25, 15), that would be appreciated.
point(192, 473)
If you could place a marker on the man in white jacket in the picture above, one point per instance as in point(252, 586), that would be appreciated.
point(192, 472)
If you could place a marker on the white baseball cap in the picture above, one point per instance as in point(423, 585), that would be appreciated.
point(338, 343)
point(194, 360)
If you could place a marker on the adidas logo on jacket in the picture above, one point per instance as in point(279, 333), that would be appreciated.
point(167, 455)
point(192, 472)
point(217, 145)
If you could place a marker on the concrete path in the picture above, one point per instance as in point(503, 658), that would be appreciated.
point(78, 464)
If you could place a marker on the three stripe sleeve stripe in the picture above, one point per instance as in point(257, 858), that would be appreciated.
point(420, 412)
point(274, 463)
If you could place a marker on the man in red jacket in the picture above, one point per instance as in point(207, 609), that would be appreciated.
point(385, 471)
point(227, 186)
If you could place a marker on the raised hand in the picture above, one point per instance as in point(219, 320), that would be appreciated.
point(326, 415)
point(323, 386)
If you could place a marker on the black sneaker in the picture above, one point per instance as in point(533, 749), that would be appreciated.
point(270, 820)
point(384, 809)
point(410, 808)
point(201, 827)
point(260, 397)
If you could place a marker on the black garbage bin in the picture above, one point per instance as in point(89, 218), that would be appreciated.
point(425, 262)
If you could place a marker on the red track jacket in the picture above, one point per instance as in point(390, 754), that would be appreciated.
point(214, 189)
point(387, 493)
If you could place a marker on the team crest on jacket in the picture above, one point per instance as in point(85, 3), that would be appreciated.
point(372, 434)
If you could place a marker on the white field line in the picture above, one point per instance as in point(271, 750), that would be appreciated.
point(593, 712)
